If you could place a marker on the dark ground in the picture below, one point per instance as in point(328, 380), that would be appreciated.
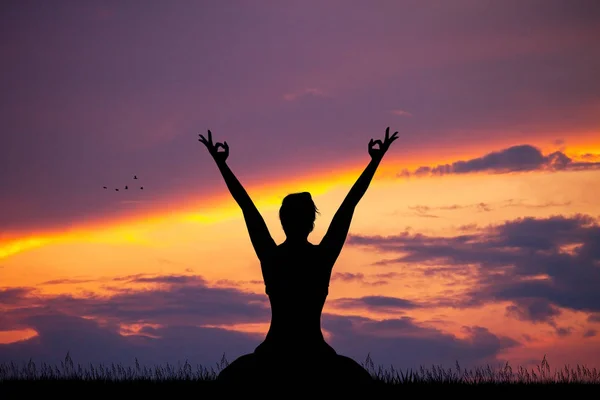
point(12, 389)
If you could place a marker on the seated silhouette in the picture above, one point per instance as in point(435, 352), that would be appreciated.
point(296, 274)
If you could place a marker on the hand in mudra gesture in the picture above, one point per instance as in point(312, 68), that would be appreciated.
point(213, 149)
point(378, 153)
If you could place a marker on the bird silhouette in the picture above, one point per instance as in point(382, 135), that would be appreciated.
point(126, 186)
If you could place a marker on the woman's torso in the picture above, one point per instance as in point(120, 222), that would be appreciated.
point(297, 283)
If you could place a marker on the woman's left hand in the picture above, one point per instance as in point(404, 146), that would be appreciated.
point(213, 149)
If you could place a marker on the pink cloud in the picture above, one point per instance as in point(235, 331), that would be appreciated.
point(401, 113)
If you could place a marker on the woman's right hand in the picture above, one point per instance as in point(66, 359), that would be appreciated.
point(378, 153)
point(213, 149)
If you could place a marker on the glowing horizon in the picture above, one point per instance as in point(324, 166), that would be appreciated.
point(265, 196)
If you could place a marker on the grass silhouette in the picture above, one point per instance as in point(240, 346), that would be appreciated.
point(68, 371)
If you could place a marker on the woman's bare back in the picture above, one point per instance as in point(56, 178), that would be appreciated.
point(297, 283)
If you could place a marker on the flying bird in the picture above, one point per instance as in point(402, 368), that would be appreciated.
point(126, 186)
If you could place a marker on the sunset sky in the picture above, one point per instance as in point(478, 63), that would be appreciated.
point(478, 240)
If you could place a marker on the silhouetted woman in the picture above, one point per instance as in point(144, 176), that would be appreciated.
point(296, 275)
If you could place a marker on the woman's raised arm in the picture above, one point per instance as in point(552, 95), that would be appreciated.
point(334, 239)
point(260, 237)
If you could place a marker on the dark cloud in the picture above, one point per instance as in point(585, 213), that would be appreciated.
point(347, 276)
point(534, 310)
point(520, 158)
point(176, 319)
point(87, 341)
point(540, 265)
point(183, 319)
point(594, 318)
point(375, 303)
point(405, 343)
point(564, 331)
point(14, 296)
point(590, 333)
point(591, 157)
point(166, 279)
point(231, 283)
point(387, 275)
point(425, 211)
point(376, 280)
point(528, 338)
point(547, 204)
point(174, 298)
point(66, 281)
point(400, 342)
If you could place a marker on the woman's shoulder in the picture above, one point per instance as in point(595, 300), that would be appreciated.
point(284, 250)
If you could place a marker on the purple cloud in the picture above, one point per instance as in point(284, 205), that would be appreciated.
point(534, 310)
point(405, 343)
point(87, 341)
point(177, 298)
point(375, 303)
point(540, 264)
point(590, 333)
point(376, 279)
point(348, 276)
point(594, 318)
point(179, 320)
point(513, 159)
point(427, 211)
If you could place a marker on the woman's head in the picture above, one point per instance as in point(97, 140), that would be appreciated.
point(297, 214)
